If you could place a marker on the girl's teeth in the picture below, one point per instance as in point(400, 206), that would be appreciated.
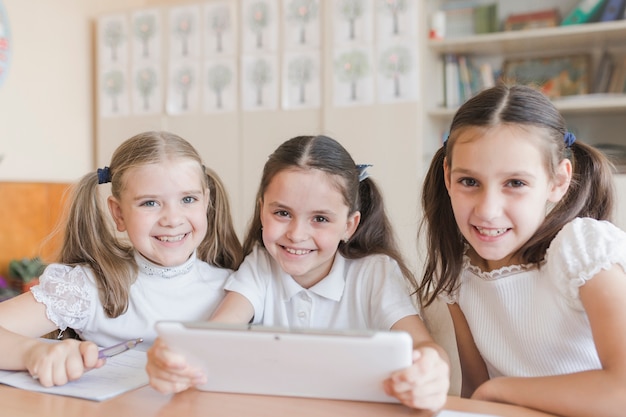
point(171, 238)
point(297, 251)
point(490, 232)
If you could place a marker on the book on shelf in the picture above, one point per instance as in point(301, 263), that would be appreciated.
point(487, 78)
point(556, 76)
point(617, 84)
point(613, 10)
point(452, 93)
point(603, 74)
point(459, 22)
point(466, 19)
point(533, 20)
point(486, 18)
point(587, 11)
point(463, 79)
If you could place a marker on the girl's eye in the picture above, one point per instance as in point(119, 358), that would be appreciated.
point(468, 182)
point(282, 213)
point(150, 203)
point(516, 183)
point(320, 219)
point(189, 199)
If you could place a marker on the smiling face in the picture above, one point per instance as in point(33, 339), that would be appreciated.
point(499, 187)
point(163, 209)
point(304, 217)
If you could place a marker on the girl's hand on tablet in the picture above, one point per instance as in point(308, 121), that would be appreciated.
point(424, 385)
point(169, 372)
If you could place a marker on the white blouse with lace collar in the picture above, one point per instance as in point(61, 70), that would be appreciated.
point(529, 321)
point(190, 291)
point(149, 268)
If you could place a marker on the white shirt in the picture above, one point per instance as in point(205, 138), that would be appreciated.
point(190, 291)
point(530, 322)
point(367, 293)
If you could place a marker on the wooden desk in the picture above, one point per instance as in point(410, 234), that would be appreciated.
point(145, 402)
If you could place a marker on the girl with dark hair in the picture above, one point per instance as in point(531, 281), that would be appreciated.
point(321, 254)
point(520, 247)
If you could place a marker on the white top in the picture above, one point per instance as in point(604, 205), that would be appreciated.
point(530, 322)
point(190, 291)
point(367, 293)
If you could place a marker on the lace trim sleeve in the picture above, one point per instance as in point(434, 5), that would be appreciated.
point(449, 298)
point(67, 295)
point(583, 248)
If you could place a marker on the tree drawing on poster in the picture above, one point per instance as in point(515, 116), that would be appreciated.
point(183, 82)
point(113, 87)
point(396, 62)
point(351, 11)
point(350, 68)
point(145, 31)
point(259, 20)
point(394, 8)
point(218, 24)
point(300, 72)
point(219, 77)
point(114, 37)
point(260, 75)
point(146, 83)
point(302, 12)
point(184, 28)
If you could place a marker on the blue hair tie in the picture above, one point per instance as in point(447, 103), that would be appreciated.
point(569, 139)
point(104, 175)
point(363, 174)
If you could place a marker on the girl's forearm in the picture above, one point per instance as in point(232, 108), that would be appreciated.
point(234, 308)
point(599, 393)
point(13, 350)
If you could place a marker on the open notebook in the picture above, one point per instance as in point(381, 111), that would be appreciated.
point(303, 363)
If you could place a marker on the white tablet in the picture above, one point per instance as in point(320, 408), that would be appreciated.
point(302, 363)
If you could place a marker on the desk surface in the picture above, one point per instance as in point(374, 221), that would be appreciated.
point(146, 402)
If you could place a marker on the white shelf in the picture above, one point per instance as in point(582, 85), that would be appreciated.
point(584, 36)
point(595, 117)
point(590, 103)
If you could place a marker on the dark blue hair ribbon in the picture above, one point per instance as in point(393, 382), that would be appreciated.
point(362, 168)
point(569, 139)
point(104, 175)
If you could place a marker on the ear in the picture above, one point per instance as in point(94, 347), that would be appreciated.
point(116, 212)
point(353, 222)
point(561, 182)
point(446, 173)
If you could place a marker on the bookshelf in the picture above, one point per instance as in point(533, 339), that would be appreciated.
point(595, 118)
point(544, 39)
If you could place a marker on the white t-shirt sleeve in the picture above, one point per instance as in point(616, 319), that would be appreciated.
point(580, 250)
point(252, 279)
point(68, 295)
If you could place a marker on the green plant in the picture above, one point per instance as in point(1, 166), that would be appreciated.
point(26, 269)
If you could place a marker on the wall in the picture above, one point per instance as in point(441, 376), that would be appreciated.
point(236, 144)
point(46, 100)
point(46, 118)
point(49, 130)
